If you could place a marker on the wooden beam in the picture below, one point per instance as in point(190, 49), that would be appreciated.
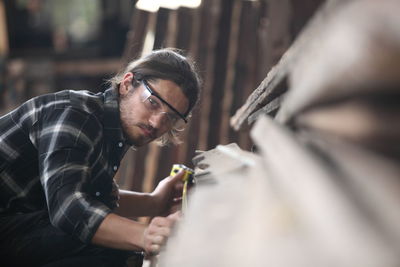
point(92, 67)
point(220, 71)
point(269, 108)
point(229, 90)
point(206, 56)
point(185, 28)
point(136, 35)
point(3, 31)
point(160, 34)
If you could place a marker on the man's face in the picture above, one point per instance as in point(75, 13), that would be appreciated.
point(144, 117)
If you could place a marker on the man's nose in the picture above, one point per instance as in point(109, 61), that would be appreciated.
point(159, 120)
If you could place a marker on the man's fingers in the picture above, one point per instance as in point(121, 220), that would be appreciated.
point(162, 222)
point(165, 231)
point(163, 225)
point(175, 216)
point(159, 239)
point(160, 230)
point(154, 249)
point(178, 177)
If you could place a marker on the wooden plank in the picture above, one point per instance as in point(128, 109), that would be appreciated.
point(161, 28)
point(269, 108)
point(220, 71)
point(93, 67)
point(259, 97)
point(136, 35)
point(3, 31)
point(185, 28)
point(172, 29)
point(229, 92)
point(206, 56)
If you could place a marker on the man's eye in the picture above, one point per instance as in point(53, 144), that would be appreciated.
point(153, 102)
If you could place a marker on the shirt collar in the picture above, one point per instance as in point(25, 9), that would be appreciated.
point(112, 120)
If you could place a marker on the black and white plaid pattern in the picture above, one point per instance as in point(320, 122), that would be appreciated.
point(60, 152)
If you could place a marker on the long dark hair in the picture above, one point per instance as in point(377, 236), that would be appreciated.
point(166, 64)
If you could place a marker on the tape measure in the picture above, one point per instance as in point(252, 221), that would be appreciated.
point(188, 179)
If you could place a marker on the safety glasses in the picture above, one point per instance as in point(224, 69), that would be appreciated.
point(157, 105)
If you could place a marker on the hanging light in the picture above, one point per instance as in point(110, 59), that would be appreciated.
point(154, 5)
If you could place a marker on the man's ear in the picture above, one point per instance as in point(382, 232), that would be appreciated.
point(126, 83)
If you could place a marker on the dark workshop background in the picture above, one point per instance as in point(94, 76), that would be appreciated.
point(52, 45)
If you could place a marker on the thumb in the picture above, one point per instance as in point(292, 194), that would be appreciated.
point(177, 177)
point(175, 216)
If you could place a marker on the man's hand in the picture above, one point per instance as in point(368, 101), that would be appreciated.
point(168, 194)
point(157, 233)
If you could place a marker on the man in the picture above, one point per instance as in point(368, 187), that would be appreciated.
point(59, 153)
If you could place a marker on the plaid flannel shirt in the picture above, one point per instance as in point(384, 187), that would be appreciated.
point(60, 152)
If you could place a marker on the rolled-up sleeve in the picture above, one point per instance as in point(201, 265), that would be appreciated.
point(67, 144)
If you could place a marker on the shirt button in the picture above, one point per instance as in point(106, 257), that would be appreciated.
point(115, 168)
point(98, 194)
point(120, 144)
